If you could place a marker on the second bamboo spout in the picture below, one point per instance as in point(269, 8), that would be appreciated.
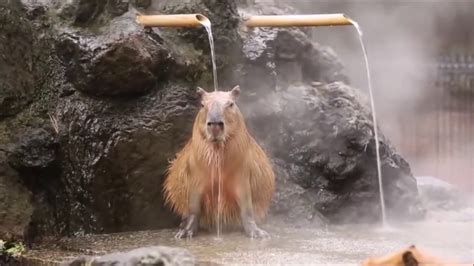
point(298, 20)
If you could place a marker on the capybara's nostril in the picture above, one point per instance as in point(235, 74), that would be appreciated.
point(216, 124)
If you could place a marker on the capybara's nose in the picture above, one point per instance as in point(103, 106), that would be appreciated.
point(219, 124)
point(215, 127)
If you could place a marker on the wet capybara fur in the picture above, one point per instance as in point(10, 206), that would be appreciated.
point(220, 149)
point(411, 256)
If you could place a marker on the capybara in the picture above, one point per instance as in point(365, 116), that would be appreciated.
point(220, 148)
point(411, 256)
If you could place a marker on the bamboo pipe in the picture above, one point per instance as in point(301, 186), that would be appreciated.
point(298, 20)
point(184, 20)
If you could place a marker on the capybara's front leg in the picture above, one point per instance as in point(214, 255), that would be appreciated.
point(244, 198)
point(190, 224)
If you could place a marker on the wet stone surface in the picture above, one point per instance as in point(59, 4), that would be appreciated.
point(16, 62)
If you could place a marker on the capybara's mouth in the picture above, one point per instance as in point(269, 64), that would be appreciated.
point(215, 129)
point(215, 133)
point(217, 139)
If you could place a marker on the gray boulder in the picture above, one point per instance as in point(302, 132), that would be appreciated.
point(15, 205)
point(16, 63)
point(300, 107)
point(324, 136)
point(150, 256)
point(438, 194)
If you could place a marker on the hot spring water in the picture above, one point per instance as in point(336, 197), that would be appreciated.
point(446, 234)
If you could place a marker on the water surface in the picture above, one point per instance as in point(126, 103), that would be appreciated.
point(448, 234)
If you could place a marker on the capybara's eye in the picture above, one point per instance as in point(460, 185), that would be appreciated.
point(231, 105)
point(202, 105)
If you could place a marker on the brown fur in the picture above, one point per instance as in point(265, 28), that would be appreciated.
point(411, 256)
point(241, 162)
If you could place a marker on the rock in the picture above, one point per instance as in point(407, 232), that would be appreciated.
point(34, 151)
point(33, 155)
point(87, 12)
point(260, 71)
point(292, 203)
point(16, 62)
point(25, 76)
point(124, 59)
point(15, 206)
point(141, 3)
point(114, 151)
point(320, 130)
point(324, 135)
point(280, 57)
point(116, 7)
point(129, 64)
point(227, 42)
point(72, 170)
point(114, 157)
point(155, 255)
point(437, 194)
point(313, 62)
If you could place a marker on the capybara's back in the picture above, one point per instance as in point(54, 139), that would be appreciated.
point(221, 172)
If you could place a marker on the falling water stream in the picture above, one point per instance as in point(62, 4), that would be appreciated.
point(374, 121)
point(207, 25)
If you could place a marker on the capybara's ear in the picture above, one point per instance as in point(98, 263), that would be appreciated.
point(200, 92)
point(235, 92)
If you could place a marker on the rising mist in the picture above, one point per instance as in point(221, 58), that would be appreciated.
point(407, 41)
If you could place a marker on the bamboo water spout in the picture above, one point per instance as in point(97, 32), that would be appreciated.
point(182, 20)
point(297, 20)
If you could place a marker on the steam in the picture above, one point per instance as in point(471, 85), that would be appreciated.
point(405, 40)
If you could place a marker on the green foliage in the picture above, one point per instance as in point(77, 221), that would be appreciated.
point(12, 249)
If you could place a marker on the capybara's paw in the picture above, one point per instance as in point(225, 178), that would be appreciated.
point(258, 233)
point(185, 233)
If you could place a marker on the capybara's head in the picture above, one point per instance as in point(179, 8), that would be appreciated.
point(411, 256)
point(219, 117)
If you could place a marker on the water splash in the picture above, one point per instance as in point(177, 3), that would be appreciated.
point(207, 25)
point(374, 120)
